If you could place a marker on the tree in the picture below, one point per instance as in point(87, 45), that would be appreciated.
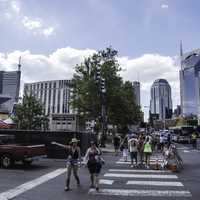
point(88, 97)
point(29, 115)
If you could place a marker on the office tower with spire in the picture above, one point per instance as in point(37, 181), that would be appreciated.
point(161, 101)
point(9, 88)
point(190, 82)
point(136, 90)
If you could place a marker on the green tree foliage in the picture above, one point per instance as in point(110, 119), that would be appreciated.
point(119, 97)
point(29, 115)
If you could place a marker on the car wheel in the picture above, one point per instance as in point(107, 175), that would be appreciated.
point(6, 161)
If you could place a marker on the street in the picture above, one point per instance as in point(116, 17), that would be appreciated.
point(45, 180)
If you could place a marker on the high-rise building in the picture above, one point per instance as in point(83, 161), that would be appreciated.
point(161, 101)
point(9, 89)
point(136, 89)
point(54, 95)
point(190, 83)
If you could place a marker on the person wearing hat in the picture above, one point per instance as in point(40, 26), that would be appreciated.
point(73, 158)
point(94, 163)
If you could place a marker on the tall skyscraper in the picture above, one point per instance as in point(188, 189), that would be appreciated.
point(136, 89)
point(190, 83)
point(54, 95)
point(161, 101)
point(9, 89)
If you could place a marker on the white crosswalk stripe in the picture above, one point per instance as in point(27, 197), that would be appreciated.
point(146, 183)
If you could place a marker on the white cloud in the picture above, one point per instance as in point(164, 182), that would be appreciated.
point(60, 65)
point(15, 6)
point(48, 31)
point(31, 24)
point(164, 6)
point(11, 9)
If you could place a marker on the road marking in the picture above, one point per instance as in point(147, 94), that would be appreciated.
point(155, 183)
point(186, 151)
point(128, 162)
point(139, 170)
point(139, 193)
point(31, 184)
point(140, 176)
point(106, 182)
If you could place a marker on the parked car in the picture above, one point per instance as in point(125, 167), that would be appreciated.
point(10, 153)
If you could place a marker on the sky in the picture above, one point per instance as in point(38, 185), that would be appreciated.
point(53, 36)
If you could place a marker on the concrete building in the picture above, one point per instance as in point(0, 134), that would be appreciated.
point(161, 101)
point(136, 89)
point(9, 89)
point(54, 95)
point(190, 83)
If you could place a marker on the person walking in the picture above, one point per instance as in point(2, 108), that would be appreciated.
point(133, 149)
point(124, 148)
point(94, 164)
point(141, 147)
point(194, 140)
point(147, 152)
point(73, 159)
point(116, 143)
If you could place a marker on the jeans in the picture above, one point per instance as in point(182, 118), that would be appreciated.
point(70, 168)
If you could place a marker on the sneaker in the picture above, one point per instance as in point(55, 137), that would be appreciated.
point(92, 186)
point(67, 188)
point(97, 189)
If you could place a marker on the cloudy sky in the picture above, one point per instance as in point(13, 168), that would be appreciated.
point(53, 36)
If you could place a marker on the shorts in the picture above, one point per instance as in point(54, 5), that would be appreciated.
point(94, 167)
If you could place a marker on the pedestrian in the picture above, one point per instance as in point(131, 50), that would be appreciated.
point(147, 152)
point(141, 147)
point(116, 143)
point(133, 149)
point(168, 140)
point(94, 164)
point(73, 159)
point(124, 148)
point(194, 140)
point(161, 142)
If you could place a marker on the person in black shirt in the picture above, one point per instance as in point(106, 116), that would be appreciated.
point(73, 159)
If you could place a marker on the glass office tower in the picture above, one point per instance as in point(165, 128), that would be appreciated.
point(161, 101)
point(190, 83)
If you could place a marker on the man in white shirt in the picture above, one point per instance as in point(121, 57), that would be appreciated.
point(133, 149)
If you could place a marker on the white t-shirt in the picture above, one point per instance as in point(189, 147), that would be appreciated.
point(133, 145)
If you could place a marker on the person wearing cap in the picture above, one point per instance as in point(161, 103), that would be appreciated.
point(94, 164)
point(73, 158)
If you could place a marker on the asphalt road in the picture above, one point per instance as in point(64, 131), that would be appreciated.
point(45, 180)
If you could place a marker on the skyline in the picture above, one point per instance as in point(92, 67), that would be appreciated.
point(144, 33)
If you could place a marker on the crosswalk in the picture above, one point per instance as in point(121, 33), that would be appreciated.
point(122, 181)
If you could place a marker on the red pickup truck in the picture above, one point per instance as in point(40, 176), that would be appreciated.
point(9, 153)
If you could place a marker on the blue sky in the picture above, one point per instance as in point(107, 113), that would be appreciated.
point(54, 35)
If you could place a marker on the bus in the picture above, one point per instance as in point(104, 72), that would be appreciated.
point(182, 133)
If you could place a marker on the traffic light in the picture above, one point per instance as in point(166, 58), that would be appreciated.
point(103, 85)
point(98, 72)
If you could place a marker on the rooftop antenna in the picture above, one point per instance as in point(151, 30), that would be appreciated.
point(181, 49)
point(138, 76)
point(181, 52)
point(19, 64)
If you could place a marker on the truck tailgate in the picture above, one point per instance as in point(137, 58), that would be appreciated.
point(36, 150)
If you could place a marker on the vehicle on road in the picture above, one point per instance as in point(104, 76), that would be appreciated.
point(10, 153)
point(182, 133)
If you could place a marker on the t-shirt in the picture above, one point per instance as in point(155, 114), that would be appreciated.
point(133, 144)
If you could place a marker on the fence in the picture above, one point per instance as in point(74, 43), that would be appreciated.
point(41, 137)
